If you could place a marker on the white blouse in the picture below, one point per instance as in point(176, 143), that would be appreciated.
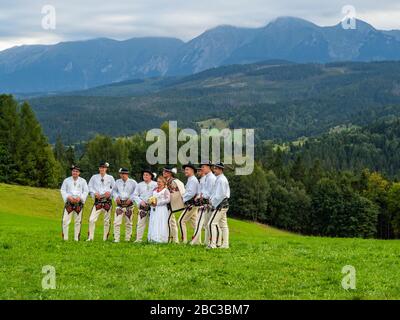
point(163, 197)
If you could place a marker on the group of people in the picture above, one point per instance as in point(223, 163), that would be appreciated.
point(204, 199)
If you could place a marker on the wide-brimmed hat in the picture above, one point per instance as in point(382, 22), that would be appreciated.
point(123, 171)
point(219, 165)
point(149, 172)
point(104, 164)
point(75, 167)
point(189, 165)
point(206, 163)
point(170, 169)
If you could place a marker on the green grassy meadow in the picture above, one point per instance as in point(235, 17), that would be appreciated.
point(263, 263)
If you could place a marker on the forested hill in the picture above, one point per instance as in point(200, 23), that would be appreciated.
point(375, 147)
point(280, 100)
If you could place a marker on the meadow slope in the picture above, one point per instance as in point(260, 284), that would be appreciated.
point(263, 263)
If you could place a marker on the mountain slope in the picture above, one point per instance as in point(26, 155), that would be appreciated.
point(301, 41)
point(210, 49)
point(285, 38)
point(79, 65)
point(277, 99)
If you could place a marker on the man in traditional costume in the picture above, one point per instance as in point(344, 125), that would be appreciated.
point(219, 200)
point(123, 194)
point(144, 190)
point(74, 192)
point(100, 188)
point(174, 186)
point(207, 182)
point(191, 191)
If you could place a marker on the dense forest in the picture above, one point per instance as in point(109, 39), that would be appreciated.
point(375, 146)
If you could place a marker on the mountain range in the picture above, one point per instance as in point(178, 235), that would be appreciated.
point(78, 65)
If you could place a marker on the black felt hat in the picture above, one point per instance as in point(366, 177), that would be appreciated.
point(219, 165)
point(206, 163)
point(148, 171)
point(123, 170)
point(189, 165)
point(170, 169)
point(104, 164)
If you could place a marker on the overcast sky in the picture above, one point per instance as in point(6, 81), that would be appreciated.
point(21, 20)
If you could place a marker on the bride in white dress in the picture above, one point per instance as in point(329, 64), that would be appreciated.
point(158, 224)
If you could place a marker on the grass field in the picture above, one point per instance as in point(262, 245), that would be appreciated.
point(263, 263)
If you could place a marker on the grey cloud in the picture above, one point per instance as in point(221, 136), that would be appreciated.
point(20, 20)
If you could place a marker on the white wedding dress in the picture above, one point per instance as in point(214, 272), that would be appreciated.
point(158, 224)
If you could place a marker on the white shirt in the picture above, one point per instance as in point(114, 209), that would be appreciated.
point(221, 190)
point(74, 188)
point(97, 185)
point(124, 190)
point(202, 182)
point(144, 191)
point(191, 188)
point(208, 187)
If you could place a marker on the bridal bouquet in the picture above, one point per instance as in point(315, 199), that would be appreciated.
point(152, 201)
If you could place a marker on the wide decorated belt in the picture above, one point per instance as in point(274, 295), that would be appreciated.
point(103, 203)
point(70, 207)
point(128, 211)
point(190, 203)
point(224, 204)
point(125, 204)
point(143, 210)
point(201, 202)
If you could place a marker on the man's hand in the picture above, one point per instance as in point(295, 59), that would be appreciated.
point(129, 202)
point(118, 200)
point(107, 194)
point(143, 204)
point(71, 199)
point(97, 195)
point(77, 200)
